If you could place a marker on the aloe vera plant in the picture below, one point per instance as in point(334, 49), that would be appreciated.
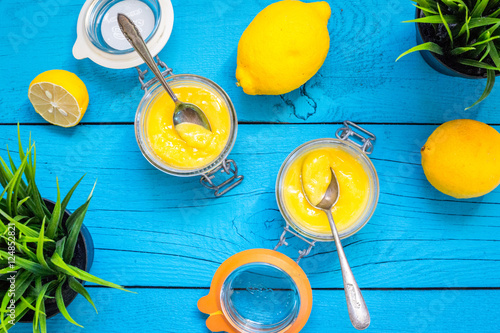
point(36, 246)
point(466, 34)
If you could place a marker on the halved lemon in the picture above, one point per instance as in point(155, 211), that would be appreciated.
point(60, 97)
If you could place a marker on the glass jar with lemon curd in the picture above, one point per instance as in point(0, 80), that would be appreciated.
point(357, 177)
point(185, 154)
point(186, 150)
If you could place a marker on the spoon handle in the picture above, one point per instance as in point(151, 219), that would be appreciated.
point(130, 31)
point(358, 312)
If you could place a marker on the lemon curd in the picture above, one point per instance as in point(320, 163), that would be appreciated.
point(309, 174)
point(189, 146)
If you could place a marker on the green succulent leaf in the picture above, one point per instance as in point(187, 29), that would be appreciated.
point(489, 86)
point(63, 267)
point(39, 248)
point(67, 198)
point(43, 318)
point(23, 282)
point(434, 19)
point(479, 8)
point(461, 50)
point(8, 270)
point(82, 275)
point(452, 4)
point(21, 202)
point(21, 227)
point(482, 21)
point(475, 63)
point(490, 31)
point(28, 304)
point(445, 25)
point(60, 246)
point(79, 288)
point(56, 214)
point(61, 306)
point(495, 13)
point(494, 54)
point(28, 265)
point(74, 225)
point(485, 41)
point(486, 53)
point(430, 46)
point(427, 10)
point(39, 300)
point(427, 3)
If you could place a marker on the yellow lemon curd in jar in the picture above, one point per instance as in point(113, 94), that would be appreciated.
point(190, 146)
point(310, 173)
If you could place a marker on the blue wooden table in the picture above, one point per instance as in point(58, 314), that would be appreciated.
point(426, 262)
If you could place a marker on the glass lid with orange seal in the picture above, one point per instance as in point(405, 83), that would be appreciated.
point(181, 151)
point(264, 290)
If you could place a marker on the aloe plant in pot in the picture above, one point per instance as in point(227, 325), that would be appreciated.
point(45, 252)
point(460, 38)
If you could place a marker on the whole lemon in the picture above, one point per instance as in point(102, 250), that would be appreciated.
point(283, 47)
point(462, 158)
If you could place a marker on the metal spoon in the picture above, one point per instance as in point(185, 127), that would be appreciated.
point(184, 112)
point(358, 312)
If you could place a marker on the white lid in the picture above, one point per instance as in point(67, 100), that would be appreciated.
point(101, 40)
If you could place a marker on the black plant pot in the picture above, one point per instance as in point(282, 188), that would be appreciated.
point(83, 259)
point(426, 33)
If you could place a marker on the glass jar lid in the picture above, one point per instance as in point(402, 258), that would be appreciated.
point(258, 291)
point(101, 40)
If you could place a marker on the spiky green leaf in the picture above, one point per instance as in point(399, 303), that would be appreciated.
point(79, 288)
point(62, 307)
point(489, 86)
point(429, 46)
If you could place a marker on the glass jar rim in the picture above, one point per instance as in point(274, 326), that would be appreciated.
point(246, 324)
point(374, 196)
point(95, 14)
point(142, 112)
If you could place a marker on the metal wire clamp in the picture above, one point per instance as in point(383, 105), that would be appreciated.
point(282, 241)
point(345, 133)
point(230, 168)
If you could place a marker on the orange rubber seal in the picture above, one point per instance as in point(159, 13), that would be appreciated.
point(211, 304)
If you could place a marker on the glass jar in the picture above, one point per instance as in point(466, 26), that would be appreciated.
point(357, 151)
point(151, 96)
point(258, 291)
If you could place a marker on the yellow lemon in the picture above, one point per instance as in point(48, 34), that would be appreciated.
point(283, 47)
point(462, 158)
point(60, 97)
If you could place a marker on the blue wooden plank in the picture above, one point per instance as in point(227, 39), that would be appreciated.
point(147, 225)
point(160, 310)
point(359, 80)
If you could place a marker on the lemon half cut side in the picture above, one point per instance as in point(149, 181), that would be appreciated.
point(60, 97)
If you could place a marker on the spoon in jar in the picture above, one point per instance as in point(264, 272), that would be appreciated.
point(184, 112)
point(356, 306)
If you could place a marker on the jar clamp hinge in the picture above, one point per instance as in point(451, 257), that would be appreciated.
point(230, 168)
point(167, 71)
point(302, 253)
point(364, 142)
